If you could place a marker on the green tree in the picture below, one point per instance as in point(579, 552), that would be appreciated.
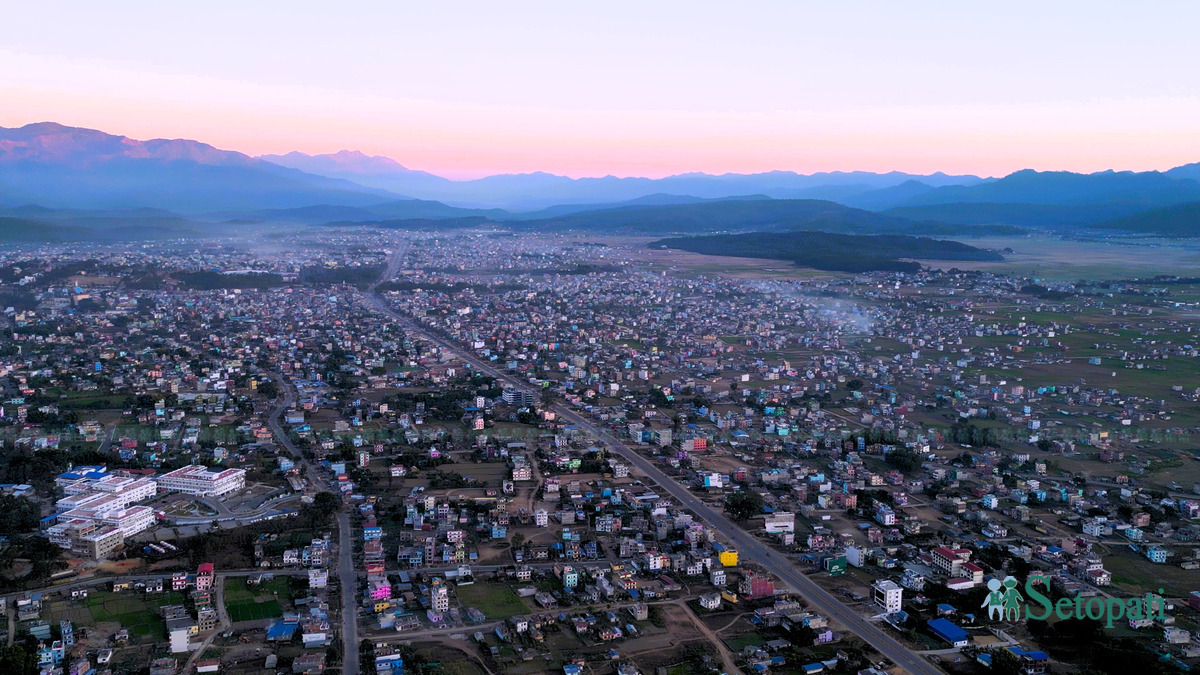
point(18, 660)
point(744, 504)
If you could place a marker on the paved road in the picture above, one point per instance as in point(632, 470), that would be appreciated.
point(347, 576)
point(748, 546)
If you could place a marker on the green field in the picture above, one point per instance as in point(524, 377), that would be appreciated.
point(244, 602)
point(135, 611)
point(1136, 575)
point(495, 601)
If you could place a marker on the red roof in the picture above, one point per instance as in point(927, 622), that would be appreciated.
point(205, 568)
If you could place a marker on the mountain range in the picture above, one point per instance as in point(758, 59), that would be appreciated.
point(71, 171)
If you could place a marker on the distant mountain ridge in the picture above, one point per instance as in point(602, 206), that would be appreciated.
point(539, 190)
point(67, 167)
point(60, 167)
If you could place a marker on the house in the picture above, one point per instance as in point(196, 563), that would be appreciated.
point(948, 631)
point(1157, 554)
point(710, 601)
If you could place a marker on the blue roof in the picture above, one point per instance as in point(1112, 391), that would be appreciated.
point(1032, 655)
point(947, 630)
point(280, 630)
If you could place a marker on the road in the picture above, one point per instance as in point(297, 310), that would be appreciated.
point(223, 624)
point(749, 548)
point(347, 576)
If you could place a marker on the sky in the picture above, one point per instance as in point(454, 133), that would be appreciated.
point(644, 88)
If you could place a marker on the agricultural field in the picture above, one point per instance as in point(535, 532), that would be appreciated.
point(132, 610)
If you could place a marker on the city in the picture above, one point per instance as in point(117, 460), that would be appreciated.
point(621, 338)
point(547, 453)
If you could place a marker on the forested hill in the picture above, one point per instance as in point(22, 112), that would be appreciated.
point(833, 252)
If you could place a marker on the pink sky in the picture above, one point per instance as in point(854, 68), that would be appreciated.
point(628, 89)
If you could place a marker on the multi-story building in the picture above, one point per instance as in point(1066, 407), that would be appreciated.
point(888, 595)
point(87, 537)
point(200, 481)
point(204, 577)
point(440, 596)
point(950, 560)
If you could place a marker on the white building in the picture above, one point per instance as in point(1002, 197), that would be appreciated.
point(780, 521)
point(856, 556)
point(717, 577)
point(888, 595)
point(318, 578)
point(541, 518)
point(130, 521)
point(198, 480)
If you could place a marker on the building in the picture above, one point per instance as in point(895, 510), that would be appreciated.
point(440, 596)
point(888, 595)
point(318, 578)
point(780, 521)
point(204, 577)
point(950, 560)
point(88, 538)
point(948, 631)
point(1157, 554)
point(198, 480)
point(756, 586)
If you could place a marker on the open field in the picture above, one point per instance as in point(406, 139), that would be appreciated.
point(251, 603)
point(1134, 574)
point(1050, 257)
point(495, 601)
point(135, 611)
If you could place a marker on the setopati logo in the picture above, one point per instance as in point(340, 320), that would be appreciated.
point(1003, 603)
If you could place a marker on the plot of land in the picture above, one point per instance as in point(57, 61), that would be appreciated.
point(496, 602)
point(252, 603)
point(136, 612)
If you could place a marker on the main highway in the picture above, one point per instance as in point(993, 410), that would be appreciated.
point(749, 548)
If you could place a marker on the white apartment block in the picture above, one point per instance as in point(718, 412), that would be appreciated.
point(114, 492)
point(888, 595)
point(198, 480)
point(130, 521)
point(318, 578)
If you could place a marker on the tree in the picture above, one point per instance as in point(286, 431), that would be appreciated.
point(16, 659)
point(518, 540)
point(744, 504)
point(903, 459)
point(1005, 662)
point(268, 389)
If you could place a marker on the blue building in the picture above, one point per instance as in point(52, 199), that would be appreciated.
point(948, 631)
